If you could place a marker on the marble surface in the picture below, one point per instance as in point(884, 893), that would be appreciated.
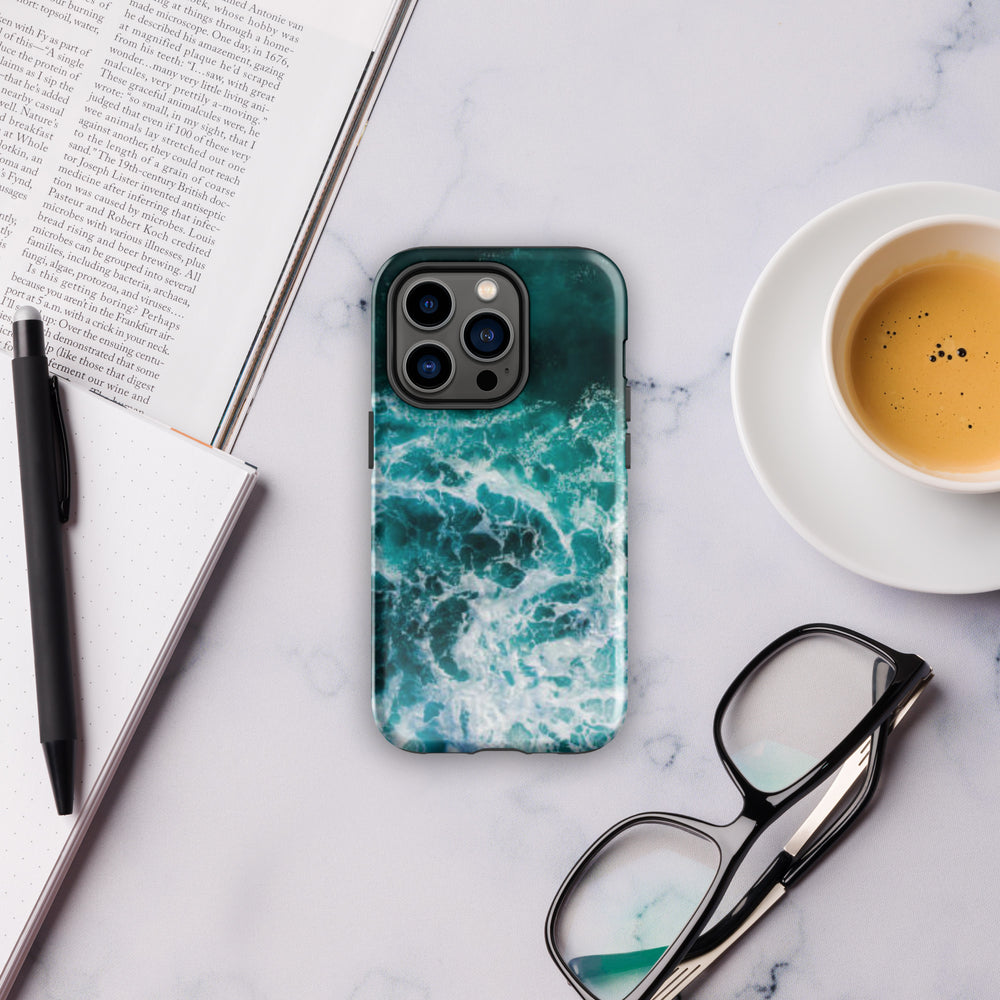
point(263, 841)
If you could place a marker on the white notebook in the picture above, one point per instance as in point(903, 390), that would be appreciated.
point(151, 511)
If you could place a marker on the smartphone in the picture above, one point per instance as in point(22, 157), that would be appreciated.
point(498, 448)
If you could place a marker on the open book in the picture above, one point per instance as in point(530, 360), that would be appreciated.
point(151, 511)
point(166, 167)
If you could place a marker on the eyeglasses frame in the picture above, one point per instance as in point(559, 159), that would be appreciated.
point(865, 743)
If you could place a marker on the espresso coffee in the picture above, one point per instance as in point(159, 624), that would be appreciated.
point(924, 365)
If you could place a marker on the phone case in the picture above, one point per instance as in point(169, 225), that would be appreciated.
point(499, 587)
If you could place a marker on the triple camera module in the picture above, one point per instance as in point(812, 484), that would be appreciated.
point(458, 335)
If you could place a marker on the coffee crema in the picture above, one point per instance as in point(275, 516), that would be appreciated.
point(924, 365)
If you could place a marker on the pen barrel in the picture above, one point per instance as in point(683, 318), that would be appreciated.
point(44, 541)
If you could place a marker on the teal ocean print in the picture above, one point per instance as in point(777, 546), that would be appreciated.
point(498, 560)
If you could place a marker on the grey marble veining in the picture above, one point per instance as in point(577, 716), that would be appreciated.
point(263, 841)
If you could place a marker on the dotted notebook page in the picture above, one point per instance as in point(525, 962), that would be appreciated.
point(150, 512)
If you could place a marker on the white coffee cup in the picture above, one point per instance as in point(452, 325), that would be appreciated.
point(941, 239)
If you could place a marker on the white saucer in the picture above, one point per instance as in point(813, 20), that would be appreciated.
point(841, 500)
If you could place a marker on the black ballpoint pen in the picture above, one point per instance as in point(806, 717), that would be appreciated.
point(39, 434)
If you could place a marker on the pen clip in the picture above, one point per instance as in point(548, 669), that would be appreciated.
point(61, 444)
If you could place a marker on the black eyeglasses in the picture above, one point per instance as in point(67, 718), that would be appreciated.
point(646, 909)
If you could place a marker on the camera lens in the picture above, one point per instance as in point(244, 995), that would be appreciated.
point(428, 367)
point(428, 304)
point(486, 336)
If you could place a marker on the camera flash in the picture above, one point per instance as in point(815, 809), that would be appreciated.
point(487, 289)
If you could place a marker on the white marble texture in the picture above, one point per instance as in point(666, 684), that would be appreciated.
point(263, 841)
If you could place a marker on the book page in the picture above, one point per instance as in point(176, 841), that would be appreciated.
point(156, 159)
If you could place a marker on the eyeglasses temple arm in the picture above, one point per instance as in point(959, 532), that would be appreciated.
point(771, 885)
point(855, 767)
point(866, 764)
point(908, 704)
point(791, 864)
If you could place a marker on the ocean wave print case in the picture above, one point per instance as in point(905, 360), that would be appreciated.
point(498, 449)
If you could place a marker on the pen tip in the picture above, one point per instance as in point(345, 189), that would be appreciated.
point(26, 313)
point(59, 757)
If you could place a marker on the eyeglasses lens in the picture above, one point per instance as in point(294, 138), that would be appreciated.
point(797, 706)
point(632, 904)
